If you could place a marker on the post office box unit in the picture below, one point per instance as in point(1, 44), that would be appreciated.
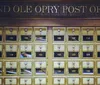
point(98, 81)
point(40, 34)
point(25, 81)
point(59, 67)
point(73, 67)
point(40, 68)
point(58, 34)
point(11, 81)
point(25, 68)
point(98, 34)
point(59, 51)
point(1, 34)
point(1, 68)
point(11, 34)
point(88, 34)
point(73, 51)
point(88, 51)
point(98, 67)
point(1, 50)
point(26, 51)
point(88, 81)
point(73, 81)
point(88, 67)
point(1, 81)
point(26, 34)
point(73, 34)
point(98, 51)
point(11, 68)
point(40, 81)
point(59, 81)
point(40, 50)
point(11, 51)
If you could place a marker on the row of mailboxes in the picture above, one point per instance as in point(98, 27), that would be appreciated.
point(24, 68)
point(59, 68)
point(40, 33)
point(56, 81)
point(25, 34)
point(59, 50)
point(24, 51)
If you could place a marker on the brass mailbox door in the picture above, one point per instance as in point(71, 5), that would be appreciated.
point(11, 51)
point(59, 51)
point(73, 81)
point(11, 68)
point(1, 82)
point(40, 68)
point(25, 68)
point(1, 68)
point(98, 51)
point(88, 81)
point(98, 34)
point(59, 67)
point(59, 34)
point(73, 51)
point(26, 34)
point(40, 50)
point(73, 67)
point(11, 34)
point(26, 51)
point(88, 67)
point(59, 81)
point(40, 34)
point(40, 81)
point(1, 34)
point(88, 51)
point(98, 67)
point(88, 34)
point(1, 51)
point(26, 81)
point(11, 81)
point(73, 34)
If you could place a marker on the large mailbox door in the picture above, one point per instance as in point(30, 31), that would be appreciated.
point(26, 34)
point(88, 81)
point(58, 34)
point(11, 34)
point(26, 51)
point(11, 68)
point(88, 34)
point(59, 67)
point(40, 81)
point(73, 51)
point(25, 68)
point(40, 50)
point(40, 34)
point(73, 81)
point(40, 68)
point(59, 81)
point(73, 67)
point(25, 81)
point(11, 51)
point(88, 51)
point(59, 51)
point(11, 81)
point(88, 67)
point(73, 34)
